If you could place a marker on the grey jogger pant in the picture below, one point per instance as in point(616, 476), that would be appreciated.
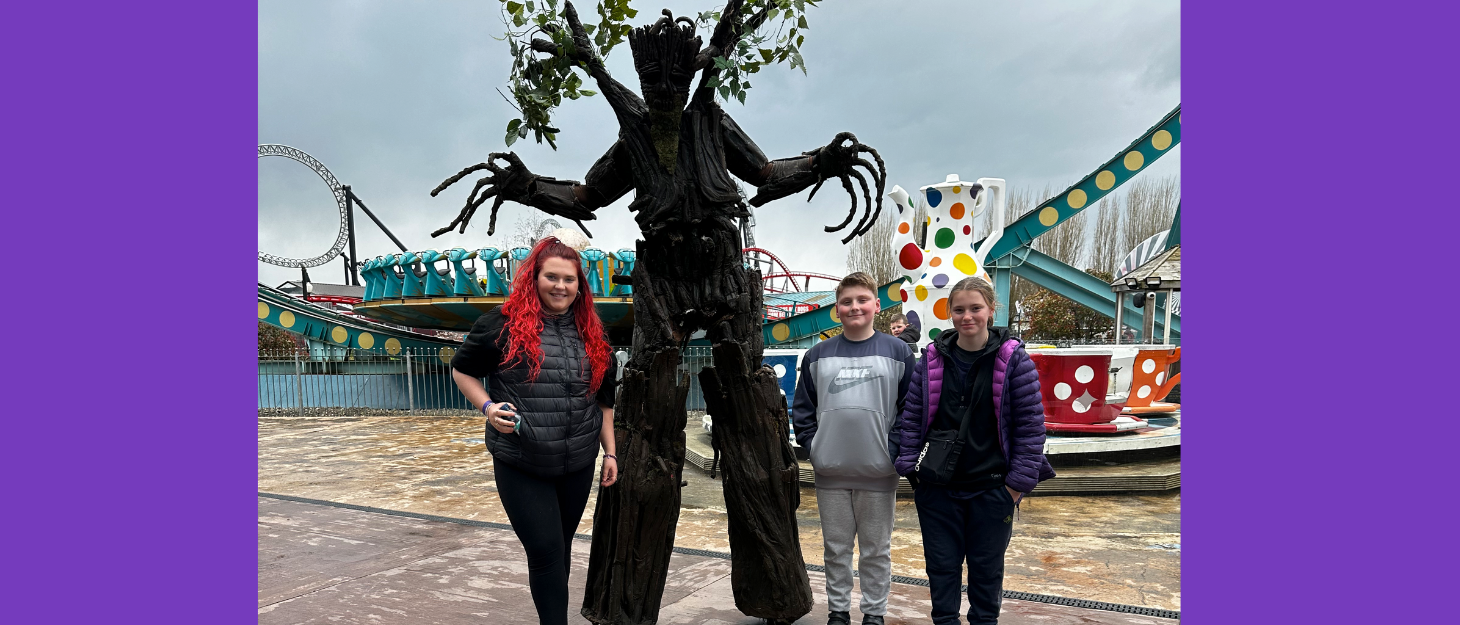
point(864, 515)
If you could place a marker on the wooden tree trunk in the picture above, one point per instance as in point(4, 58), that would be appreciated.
point(635, 519)
point(768, 574)
point(762, 489)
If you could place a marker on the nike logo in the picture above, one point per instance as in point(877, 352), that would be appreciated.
point(851, 376)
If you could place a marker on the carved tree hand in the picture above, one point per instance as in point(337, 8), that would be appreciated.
point(513, 182)
point(839, 159)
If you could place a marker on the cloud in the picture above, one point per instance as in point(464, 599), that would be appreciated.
point(395, 97)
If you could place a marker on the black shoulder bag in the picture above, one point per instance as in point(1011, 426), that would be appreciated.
point(939, 458)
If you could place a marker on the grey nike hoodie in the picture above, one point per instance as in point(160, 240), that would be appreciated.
point(848, 398)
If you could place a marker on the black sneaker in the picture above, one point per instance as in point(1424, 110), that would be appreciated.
point(839, 618)
point(872, 619)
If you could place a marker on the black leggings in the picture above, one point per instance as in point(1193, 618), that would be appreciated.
point(545, 514)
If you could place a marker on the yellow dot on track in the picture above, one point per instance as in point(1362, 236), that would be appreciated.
point(1161, 140)
point(392, 346)
point(1134, 160)
point(286, 319)
point(1077, 199)
point(446, 353)
point(1104, 180)
point(263, 310)
point(780, 332)
point(340, 334)
point(1048, 215)
point(365, 340)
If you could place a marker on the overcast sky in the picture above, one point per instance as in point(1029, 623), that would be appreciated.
point(393, 97)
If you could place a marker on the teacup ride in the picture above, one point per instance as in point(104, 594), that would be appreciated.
point(1075, 389)
point(1149, 384)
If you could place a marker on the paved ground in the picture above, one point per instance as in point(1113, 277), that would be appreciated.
point(322, 564)
point(1111, 548)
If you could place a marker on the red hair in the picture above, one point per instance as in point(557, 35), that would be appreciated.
point(523, 310)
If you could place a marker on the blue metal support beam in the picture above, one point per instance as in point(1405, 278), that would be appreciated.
point(1080, 287)
point(1002, 278)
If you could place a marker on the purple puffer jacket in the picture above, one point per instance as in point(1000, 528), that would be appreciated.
point(1016, 386)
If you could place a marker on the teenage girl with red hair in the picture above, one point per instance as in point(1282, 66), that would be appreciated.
point(550, 406)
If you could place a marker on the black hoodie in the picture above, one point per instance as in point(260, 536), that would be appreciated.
point(910, 335)
point(968, 393)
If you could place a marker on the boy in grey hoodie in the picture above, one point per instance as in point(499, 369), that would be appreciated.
point(848, 399)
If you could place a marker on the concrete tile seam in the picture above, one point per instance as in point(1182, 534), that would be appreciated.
point(1007, 594)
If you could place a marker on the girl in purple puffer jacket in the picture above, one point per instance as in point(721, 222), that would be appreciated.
point(974, 406)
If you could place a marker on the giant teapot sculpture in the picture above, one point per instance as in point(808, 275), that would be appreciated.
point(931, 272)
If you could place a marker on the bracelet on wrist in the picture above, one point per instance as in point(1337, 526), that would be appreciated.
point(485, 407)
point(615, 458)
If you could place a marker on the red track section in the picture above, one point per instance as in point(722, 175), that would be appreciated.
point(786, 277)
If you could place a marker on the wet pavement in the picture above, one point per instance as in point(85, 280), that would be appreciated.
point(1113, 548)
point(322, 564)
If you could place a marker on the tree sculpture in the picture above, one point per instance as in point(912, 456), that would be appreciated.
point(677, 150)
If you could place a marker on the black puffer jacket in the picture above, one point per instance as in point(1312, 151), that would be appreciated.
point(560, 420)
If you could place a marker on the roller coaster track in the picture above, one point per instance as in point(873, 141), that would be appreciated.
point(296, 154)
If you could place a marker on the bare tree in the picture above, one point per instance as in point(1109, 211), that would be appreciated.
point(1066, 241)
point(1150, 204)
point(872, 254)
point(1109, 246)
point(530, 227)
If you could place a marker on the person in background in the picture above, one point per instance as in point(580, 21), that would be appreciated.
point(848, 397)
point(972, 445)
point(550, 407)
point(906, 331)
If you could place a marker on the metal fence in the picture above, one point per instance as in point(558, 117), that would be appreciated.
point(413, 380)
point(410, 380)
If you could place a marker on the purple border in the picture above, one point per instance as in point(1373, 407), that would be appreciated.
point(131, 435)
point(1320, 134)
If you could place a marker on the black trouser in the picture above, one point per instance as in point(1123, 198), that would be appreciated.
point(972, 527)
point(545, 514)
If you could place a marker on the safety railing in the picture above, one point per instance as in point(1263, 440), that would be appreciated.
point(412, 380)
point(351, 381)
